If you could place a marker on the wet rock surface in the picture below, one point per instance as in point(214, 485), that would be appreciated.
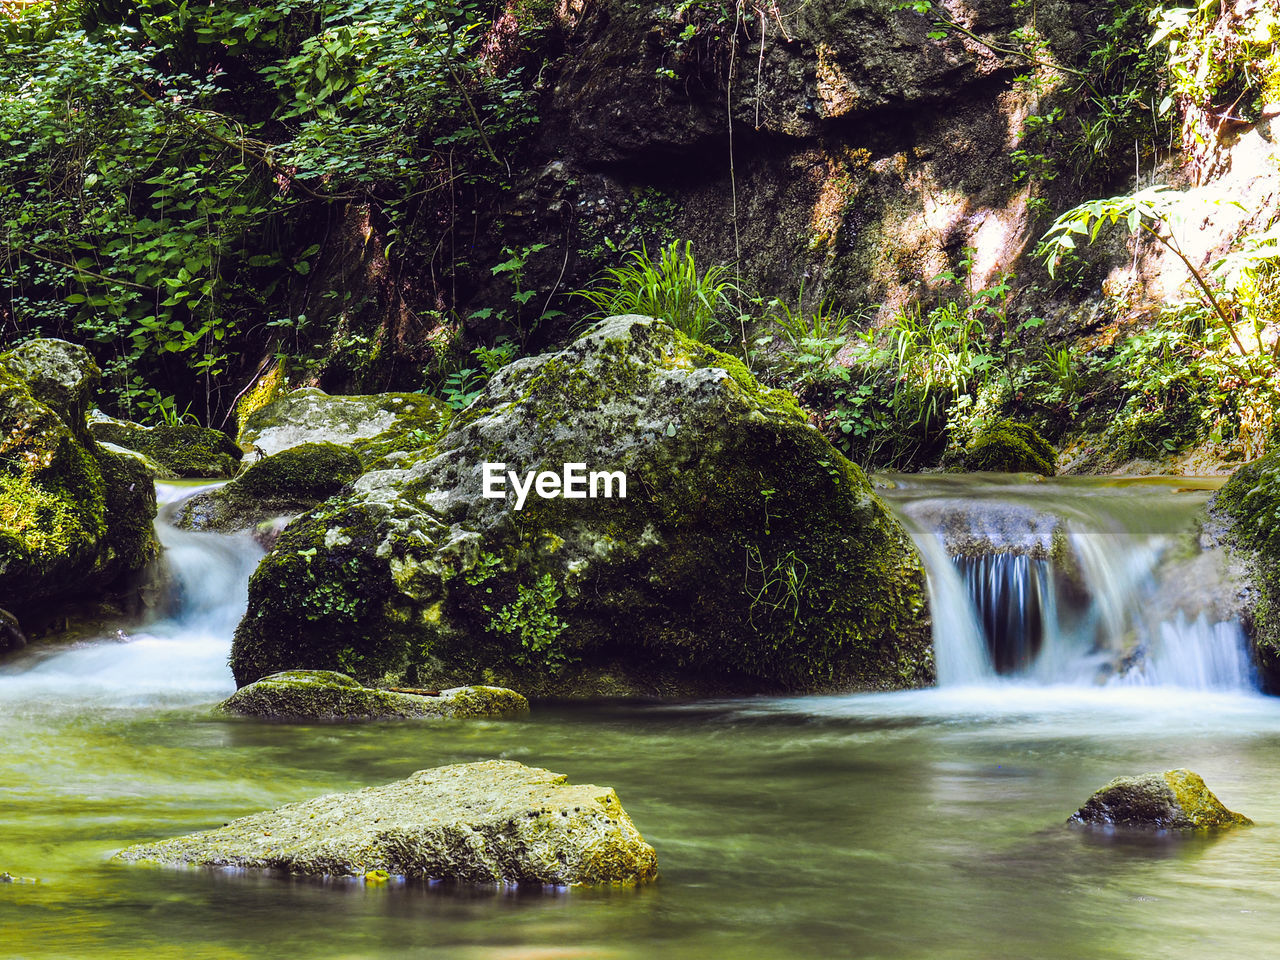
point(1175, 800)
point(496, 821)
point(284, 484)
point(182, 450)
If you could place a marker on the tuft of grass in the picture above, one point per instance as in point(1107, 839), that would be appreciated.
point(671, 289)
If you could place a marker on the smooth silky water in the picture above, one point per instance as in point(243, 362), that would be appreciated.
point(925, 824)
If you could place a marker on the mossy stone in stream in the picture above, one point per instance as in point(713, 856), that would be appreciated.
point(1244, 516)
point(1173, 800)
point(309, 695)
point(184, 450)
point(747, 556)
point(288, 482)
point(496, 821)
point(1008, 446)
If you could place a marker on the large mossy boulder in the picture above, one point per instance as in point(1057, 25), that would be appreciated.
point(384, 429)
point(286, 483)
point(1244, 517)
point(497, 821)
point(746, 556)
point(310, 695)
point(1008, 446)
point(182, 450)
point(1174, 800)
point(75, 519)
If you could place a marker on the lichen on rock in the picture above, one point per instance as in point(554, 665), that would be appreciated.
point(383, 429)
point(1174, 800)
point(496, 821)
point(310, 695)
point(286, 483)
point(747, 556)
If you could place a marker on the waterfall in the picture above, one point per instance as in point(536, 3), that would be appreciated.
point(1054, 583)
point(181, 656)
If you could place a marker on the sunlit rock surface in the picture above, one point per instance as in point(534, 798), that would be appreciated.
point(497, 821)
point(383, 428)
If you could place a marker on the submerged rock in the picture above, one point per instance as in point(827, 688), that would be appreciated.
point(286, 483)
point(1008, 446)
point(182, 450)
point(1244, 517)
point(1173, 800)
point(497, 821)
point(382, 428)
point(747, 554)
point(75, 518)
point(328, 695)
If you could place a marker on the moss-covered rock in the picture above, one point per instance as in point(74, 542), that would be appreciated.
point(1008, 446)
point(286, 483)
point(130, 494)
point(1173, 800)
point(59, 374)
point(497, 821)
point(747, 556)
point(74, 518)
point(1244, 516)
point(385, 429)
point(308, 695)
point(183, 450)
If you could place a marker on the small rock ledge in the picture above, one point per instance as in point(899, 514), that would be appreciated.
point(304, 695)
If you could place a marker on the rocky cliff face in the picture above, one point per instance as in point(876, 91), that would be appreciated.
point(837, 142)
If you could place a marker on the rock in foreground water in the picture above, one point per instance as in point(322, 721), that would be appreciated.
point(327, 695)
point(492, 822)
point(1173, 800)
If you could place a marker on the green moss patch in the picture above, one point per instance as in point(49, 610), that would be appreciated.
point(1008, 446)
point(184, 450)
point(289, 482)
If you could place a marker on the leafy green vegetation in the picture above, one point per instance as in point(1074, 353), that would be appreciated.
point(162, 166)
point(532, 618)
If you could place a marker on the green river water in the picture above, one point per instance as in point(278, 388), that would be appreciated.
point(925, 824)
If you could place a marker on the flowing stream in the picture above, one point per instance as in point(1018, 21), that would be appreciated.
point(923, 824)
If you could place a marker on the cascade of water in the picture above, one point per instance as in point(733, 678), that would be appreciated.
point(1008, 593)
point(962, 656)
point(180, 657)
point(1080, 604)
